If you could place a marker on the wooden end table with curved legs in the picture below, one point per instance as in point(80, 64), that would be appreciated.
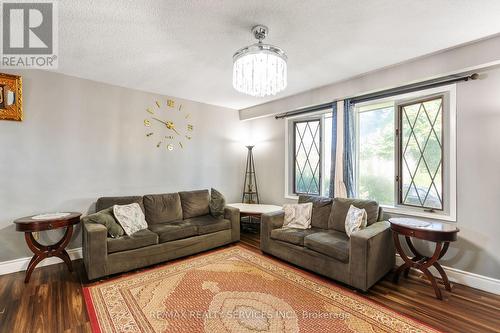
point(29, 225)
point(439, 233)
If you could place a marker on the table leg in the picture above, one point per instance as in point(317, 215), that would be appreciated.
point(35, 260)
point(41, 252)
point(407, 261)
point(60, 248)
point(440, 269)
point(417, 255)
point(430, 262)
point(422, 263)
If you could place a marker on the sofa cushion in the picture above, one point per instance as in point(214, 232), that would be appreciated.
point(194, 203)
point(340, 207)
point(137, 240)
point(217, 203)
point(131, 218)
point(174, 230)
point(298, 215)
point(292, 235)
point(334, 244)
point(107, 219)
point(321, 210)
point(106, 202)
point(207, 224)
point(355, 220)
point(162, 208)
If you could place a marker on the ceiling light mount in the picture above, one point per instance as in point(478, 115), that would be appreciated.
point(260, 32)
point(260, 69)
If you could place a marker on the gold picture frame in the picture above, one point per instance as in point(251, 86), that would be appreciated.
point(11, 100)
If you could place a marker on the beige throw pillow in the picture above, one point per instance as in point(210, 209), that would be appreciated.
point(355, 220)
point(298, 215)
point(130, 217)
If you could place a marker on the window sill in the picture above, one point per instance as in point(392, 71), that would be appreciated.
point(291, 197)
point(416, 213)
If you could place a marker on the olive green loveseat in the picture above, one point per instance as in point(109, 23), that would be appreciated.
point(179, 224)
point(359, 261)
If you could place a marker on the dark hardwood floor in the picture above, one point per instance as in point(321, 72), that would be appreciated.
point(52, 301)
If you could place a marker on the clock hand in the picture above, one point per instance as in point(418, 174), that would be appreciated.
point(169, 124)
point(161, 121)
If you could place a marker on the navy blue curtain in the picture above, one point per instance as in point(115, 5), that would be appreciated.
point(334, 150)
point(349, 148)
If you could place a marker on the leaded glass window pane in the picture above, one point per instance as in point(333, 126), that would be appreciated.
point(307, 178)
point(422, 154)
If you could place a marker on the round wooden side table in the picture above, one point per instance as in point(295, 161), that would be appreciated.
point(439, 233)
point(36, 223)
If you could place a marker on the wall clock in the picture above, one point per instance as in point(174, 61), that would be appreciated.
point(168, 125)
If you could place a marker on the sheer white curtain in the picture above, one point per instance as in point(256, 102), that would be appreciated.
point(339, 186)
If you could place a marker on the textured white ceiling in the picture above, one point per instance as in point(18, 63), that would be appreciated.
point(184, 48)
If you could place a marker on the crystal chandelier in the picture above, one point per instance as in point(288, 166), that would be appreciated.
point(260, 69)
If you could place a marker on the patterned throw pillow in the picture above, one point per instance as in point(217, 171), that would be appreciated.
point(355, 220)
point(217, 203)
point(130, 217)
point(298, 215)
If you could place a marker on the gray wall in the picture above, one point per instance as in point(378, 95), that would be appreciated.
point(82, 139)
point(478, 142)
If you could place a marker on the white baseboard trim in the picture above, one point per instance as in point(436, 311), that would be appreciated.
point(21, 264)
point(473, 280)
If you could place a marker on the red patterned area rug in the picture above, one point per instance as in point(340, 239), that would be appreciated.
point(235, 290)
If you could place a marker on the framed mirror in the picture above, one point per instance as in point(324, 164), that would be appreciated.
point(11, 97)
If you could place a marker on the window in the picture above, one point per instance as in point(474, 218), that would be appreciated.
point(405, 153)
point(307, 157)
point(421, 150)
point(309, 154)
point(376, 147)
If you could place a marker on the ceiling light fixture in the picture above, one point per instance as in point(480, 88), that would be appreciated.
point(260, 69)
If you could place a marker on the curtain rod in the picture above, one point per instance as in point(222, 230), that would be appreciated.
point(384, 93)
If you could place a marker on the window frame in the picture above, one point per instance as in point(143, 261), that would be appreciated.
point(323, 115)
point(320, 152)
point(398, 108)
point(448, 213)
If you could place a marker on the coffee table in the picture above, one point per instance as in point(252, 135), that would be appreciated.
point(254, 210)
point(441, 234)
point(36, 223)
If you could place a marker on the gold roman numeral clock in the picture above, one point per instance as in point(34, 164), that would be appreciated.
point(168, 125)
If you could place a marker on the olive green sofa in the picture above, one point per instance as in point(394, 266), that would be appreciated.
point(179, 224)
point(359, 261)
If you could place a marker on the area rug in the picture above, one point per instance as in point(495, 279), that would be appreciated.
point(235, 290)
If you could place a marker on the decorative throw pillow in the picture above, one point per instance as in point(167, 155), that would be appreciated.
point(217, 203)
point(130, 217)
point(355, 220)
point(298, 215)
point(107, 219)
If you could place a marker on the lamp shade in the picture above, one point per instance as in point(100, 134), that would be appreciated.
point(260, 69)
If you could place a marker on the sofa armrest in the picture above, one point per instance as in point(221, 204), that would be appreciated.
point(269, 222)
point(95, 248)
point(233, 214)
point(372, 254)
